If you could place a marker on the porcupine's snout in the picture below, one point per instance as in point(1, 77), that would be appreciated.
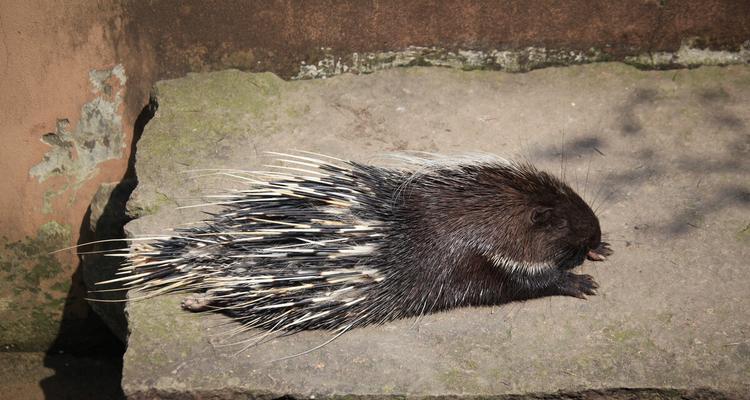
point(588, 229)
point(598, 250)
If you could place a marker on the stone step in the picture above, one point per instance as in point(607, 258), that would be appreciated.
point(665, 153)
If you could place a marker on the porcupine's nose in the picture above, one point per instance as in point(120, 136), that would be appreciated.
point(595, 241)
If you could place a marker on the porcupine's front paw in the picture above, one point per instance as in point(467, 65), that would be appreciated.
point(600, 253)
point(578, 285)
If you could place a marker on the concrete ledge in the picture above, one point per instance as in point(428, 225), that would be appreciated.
point(669, 156)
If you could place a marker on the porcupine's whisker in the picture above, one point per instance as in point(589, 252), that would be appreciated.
point(562, 156)
point(575, 179)
point(605, 202)
point(597, 196)
point(586, 181)
point(602, 189)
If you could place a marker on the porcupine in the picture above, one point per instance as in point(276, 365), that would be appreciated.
point(333, 244)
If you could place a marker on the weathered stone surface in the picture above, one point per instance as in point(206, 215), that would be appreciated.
point(664, 155)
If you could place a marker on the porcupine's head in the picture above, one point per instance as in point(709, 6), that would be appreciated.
point(533, 220)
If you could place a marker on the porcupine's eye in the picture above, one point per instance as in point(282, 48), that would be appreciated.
point(541, 216)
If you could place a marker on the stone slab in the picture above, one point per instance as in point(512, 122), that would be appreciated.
point(667, 154)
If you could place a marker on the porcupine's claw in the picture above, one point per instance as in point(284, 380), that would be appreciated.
point(600, 253)
point(578, 285)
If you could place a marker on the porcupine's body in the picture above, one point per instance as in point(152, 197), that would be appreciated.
point(338, 244)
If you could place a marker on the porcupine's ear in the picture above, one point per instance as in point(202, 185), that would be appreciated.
point(541, 215)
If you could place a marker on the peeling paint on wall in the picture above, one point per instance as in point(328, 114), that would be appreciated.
point(522, 60)
point(76, 152)
point(690, 56)
point(512, 61)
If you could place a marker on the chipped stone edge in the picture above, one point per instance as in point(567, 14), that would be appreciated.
point(524, 60)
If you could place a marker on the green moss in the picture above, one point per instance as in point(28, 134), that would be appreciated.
point(35, 285)
point(53, 234)
point(206, 111)
point(229, 90)
point(202, 118)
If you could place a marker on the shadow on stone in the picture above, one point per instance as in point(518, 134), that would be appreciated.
point(631, 124)
point(581, 147)
point(86, 355)
point(695, 216)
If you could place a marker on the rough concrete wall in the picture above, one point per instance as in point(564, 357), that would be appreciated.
point(75, 76)
point(279, 36)
point(67, 107)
